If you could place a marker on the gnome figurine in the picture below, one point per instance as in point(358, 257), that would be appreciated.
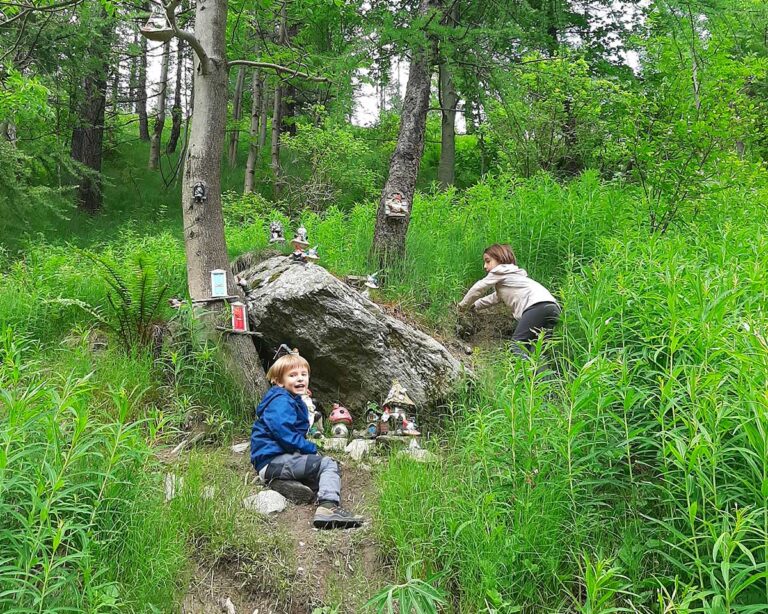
point(396, 406)
point(276, 233)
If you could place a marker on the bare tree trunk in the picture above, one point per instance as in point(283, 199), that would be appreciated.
point(277, 117)
point(8, 132)
point(264, 113)
point(133, 76)
point(448, 102)
point(237, 113)
point(253, 146)
point(389, 233)
point(88, 140)
point(277, 107)
point(157, 133)
point(141, 87)
point(173, 139)
point(204, 241)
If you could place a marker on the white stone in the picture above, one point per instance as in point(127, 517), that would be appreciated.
point(209, 492)
point(334, 443)
point(239, 448)
point(419, 454)
point(359, 448)
point(265, 502)
point(227, 606)
point(173, 484)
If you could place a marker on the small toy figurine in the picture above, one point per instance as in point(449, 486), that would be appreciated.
point(240, 281)
point(300, 240)
point(396, 206)
point(276, 233)
point(298, 256)
point(315, 417)
point(311, 255)
point(371, 281)
point(409, 428)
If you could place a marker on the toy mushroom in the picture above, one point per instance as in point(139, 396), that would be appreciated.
point(276, 233)
point(340, 420)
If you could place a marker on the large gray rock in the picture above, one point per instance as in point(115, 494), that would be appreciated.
point(354, 348)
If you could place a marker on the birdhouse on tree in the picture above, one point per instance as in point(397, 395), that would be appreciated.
point(157, 28)
point(396, 206)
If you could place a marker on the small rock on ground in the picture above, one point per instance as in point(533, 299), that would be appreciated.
point(265, 502)
point(334, 443)
point(359, 448)
point(239, 448)
point(173, 484)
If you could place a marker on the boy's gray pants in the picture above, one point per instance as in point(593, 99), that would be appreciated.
point(320, 473)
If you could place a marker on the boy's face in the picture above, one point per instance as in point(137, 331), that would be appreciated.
point(296, 380)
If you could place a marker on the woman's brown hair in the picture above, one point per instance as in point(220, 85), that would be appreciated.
point(501, 253)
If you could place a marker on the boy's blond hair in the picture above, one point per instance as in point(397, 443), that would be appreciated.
point(284, 364)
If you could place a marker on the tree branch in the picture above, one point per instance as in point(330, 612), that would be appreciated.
point(278, 69)
point(170, 12)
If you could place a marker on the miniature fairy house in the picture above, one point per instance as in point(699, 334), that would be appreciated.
point(396, 206)
point(395, 411)
point(340, 420)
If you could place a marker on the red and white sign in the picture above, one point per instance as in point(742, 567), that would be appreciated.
point(239, 317)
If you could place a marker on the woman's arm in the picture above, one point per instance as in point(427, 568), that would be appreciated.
point(477, 290)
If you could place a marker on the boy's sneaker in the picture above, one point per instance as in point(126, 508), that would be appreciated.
point(335, 518)
point(293, 491)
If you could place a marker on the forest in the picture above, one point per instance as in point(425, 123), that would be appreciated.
point(620, 147)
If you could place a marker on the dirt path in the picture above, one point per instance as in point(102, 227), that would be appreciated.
point(328, 572)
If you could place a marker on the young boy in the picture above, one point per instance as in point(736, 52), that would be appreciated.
point(280, 450)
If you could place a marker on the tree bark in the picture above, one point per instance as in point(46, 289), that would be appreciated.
point(264, 112)
point(87, 145)
point(173, 139)
point(277, 106)
point(448, 102)
point(253, 146)
point(237, 113)
point(204, 241)
point(157, 133)
point(390, 233)
point(141, 90)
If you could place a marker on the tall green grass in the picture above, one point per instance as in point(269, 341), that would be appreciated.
point(637, 478)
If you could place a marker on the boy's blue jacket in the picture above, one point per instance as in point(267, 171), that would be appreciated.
point(280, 428)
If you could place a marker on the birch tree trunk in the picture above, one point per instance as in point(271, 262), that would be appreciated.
point(389, 233)
point(253, 146)
point(157, 133)
point(237, 113)
point(264, 112)
point(173, 139)
point(204, 241)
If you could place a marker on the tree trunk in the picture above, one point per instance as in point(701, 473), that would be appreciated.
point(204, 241)
point(141, 90)
point(133, 77)
point(276, 121)
point(389, 233)
point(157, 133)
point(264, 113)
point(237, 113)
point(90, 102)
point(448, 101)
point(173, 139)
point(253, 146)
